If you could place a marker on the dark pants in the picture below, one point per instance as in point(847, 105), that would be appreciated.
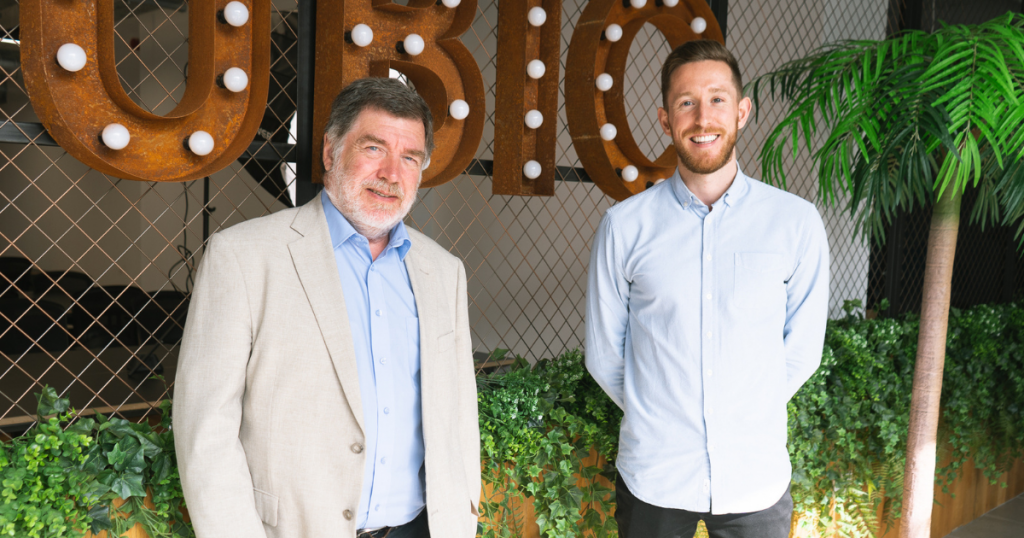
point(417, 528)
point(638, 519)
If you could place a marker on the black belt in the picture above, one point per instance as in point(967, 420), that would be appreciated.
point(379, 533)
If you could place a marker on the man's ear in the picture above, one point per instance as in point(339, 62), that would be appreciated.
point(744, 112)
point(328, 155)
point(663, 120)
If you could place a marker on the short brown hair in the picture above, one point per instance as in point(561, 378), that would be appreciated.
point(698, 51)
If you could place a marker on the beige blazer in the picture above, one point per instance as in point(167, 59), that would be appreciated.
point(268, 421)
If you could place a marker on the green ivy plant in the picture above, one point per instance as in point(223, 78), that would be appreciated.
point(69, 474)
point(537, 426)
point(541, 423)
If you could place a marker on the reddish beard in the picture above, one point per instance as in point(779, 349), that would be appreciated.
point(706, 164)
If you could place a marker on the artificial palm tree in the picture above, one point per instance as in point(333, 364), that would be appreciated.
point(908, 122)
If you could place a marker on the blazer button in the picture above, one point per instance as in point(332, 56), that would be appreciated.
point(347, 514)
point(357, 448)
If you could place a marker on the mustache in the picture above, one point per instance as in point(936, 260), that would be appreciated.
point(382, 186)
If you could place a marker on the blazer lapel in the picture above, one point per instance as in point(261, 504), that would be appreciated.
point(313, 256)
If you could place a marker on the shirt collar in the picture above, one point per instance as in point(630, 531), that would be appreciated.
point(342, 231)
point(740, 187)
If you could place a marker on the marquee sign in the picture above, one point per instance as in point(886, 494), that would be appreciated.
point(67, 55)
point(71, 78)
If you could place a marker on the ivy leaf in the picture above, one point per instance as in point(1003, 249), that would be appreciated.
point(161, 468)
point(117, 458)
point(50, 403)
point(150, 443)
point(128, 485)
point(100, 515)
point(136, 462)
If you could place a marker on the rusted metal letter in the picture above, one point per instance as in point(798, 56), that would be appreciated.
point(588, 108)
point(517, 93)
point(443, 72)
point(75, 106)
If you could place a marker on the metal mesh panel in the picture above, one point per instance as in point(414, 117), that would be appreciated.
point(97, 271)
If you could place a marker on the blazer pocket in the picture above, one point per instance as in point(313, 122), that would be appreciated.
point(266, 507)
point(446, 343)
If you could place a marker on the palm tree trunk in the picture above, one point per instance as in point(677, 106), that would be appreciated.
point(919, 479)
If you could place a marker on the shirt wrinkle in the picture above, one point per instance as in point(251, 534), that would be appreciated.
point(701, 351)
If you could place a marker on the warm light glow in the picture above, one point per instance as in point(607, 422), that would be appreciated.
point(236, 14)
point(613, 32)
point(534, 119)
point(362, 35)
point(630, 173)
point(235, 79)
point(698, 25)
point(537, 16)
point(608, 132)
point(535, 69)
point(201, 143)
point(604, 82)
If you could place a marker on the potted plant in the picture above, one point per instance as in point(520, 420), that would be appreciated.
point(912, 121)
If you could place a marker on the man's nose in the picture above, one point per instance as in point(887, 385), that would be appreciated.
point(389, 168)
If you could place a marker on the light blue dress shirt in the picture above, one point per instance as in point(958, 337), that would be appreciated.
point(701, 325)
point(385, 330)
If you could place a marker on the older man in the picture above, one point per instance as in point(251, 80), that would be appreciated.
point(706, 311)
point(325, 383)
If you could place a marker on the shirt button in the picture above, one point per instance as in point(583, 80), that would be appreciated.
point(707, 257)
point(709, 335)
point(376, 508)
point(357, 448)
point(387, 411)
point(383, 360)
point(707, 485)
point(708, 296)
point(347, 514)
point(377, 313)
point(383, 461)
point(711, 411)
point(708, 371)
point(711, 448)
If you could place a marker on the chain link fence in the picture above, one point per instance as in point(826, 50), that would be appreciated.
point(97, 271)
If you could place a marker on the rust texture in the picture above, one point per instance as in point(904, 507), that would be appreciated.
point(443, 72)
point(516, 93)
point(75, 107)
point(587, 108)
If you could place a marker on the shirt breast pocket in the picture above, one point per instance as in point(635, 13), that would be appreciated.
point(759, 279)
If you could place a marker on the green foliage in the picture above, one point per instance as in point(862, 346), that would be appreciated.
point(848, 424)
point(61, 478)
point(905, 118)
point(537, 426)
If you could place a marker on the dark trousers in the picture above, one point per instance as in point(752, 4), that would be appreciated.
point(638, 519)
point(417, 528)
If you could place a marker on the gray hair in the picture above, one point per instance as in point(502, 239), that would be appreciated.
point(384, 94)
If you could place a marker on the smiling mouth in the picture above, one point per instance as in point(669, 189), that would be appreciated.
point(704, 139)
point(382, 194)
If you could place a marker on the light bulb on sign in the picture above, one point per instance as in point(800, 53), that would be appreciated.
point(531, 169)
point(234, 79)
point(71, 57)
point(698, 25)
point(608, 132)
point(459, 109)
point(534, 119)
point(201, 143)
point(236, 14)
point(115, 136)
point(670, 3)
point(659, 180)
point(630, 173)
point(451, 3)
point(535, 69)
point(638, 4)
point(362, 35)
point(604, 82)
point(413, 44)
point(613, 32)
point(537, 16)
